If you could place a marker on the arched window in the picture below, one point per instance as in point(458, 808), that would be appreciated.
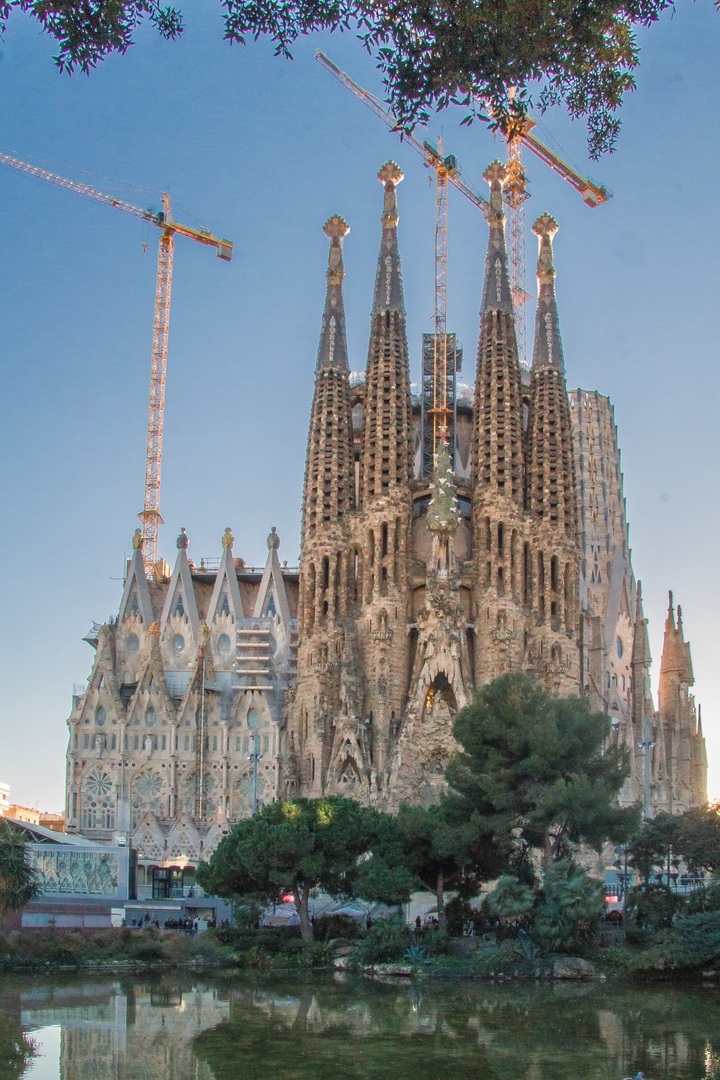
point(100, 715)
point(150, 717)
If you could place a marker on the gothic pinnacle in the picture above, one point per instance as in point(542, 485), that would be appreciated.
point(388, 282)
point(332, 350)
point(547, 349)
point(497, 294)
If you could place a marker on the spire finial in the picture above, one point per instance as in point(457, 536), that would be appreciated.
point(182, 540)
point(273, 540)
point(547, 349)
point(137, 540)
point(497, 294)
point(227, 538)
point(390, 176)
point(332, 351)
point(388, 282)
point(495, 175)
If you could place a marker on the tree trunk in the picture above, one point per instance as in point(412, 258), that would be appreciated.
point(440, 895)
point(302, 896)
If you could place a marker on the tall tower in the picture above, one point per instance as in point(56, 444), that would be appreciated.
point(500, 551)
point(327, 568)
point(552, 561)
point(385, 471)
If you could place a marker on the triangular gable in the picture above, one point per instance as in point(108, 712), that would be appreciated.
point(184, 840)
point(181, 587)
point(226, 585)
point(272, 586)
point(136, 594)
point(148, 839)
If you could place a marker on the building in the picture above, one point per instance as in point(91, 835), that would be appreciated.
point(432, 561)
point(4, 799)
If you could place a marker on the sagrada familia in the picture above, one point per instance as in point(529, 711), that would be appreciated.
point(428, 567)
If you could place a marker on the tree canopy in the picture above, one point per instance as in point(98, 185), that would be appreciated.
point(507, 53)
point(294, 847)
point(538, 769)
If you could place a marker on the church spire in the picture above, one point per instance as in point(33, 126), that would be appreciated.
point(388, 281)
point(498, 411)
point(547, 350)
point(497, 293)
point(550, 476)
point(386, 456)
point(332, 351)
point(329, 468)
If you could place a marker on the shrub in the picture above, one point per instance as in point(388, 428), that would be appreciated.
point(567, 908)
point(387, 940)
point(706, 898)
point(653, 906)
point(333, 926)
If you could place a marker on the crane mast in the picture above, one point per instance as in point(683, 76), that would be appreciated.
point(150, 514)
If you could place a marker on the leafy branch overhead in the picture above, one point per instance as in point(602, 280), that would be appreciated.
point(509, 54)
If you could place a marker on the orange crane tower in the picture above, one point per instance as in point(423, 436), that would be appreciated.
point(446, 172)
point(150, 514)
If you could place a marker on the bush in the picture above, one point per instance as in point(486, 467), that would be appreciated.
point(653, 906)
point(567, 908)
point(706, 898)
point(387, 940)
point(333, 926)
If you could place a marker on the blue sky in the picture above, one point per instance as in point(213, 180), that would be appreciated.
point(263, 151)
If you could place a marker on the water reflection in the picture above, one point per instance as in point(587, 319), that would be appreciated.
point(315, 1028)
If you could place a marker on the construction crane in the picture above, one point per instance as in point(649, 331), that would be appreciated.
point(516, 194)
point(163, 220)
point(439, 401)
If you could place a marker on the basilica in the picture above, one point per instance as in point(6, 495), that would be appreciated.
point(432, 560)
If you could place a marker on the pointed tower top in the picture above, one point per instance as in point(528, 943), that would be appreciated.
point(497, 294)
point(137, 540)
point(388, 282)
point(679, 622)
point(670, 621)
point(227, 538)
point(183, 540)
point(273, 540)
point(547, 350)
point(332, 350)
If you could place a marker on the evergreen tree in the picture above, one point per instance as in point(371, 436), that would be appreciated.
point(537, 769)
point(294, 847)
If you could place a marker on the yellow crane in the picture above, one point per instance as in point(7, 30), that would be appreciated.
point(163, 220)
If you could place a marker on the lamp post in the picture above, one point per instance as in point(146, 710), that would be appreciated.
point(647, 747)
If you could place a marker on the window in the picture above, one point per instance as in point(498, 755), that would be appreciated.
point(246, 744)
point(86, 744)
point(266, 744)
point(214, 742)
point(224, 644)
point(100, 715)
point(150, 717)
point(252, 718)
point(619, 647)
point(187, 742)
point(178, 645)
point(164, 742)
point(137, 743)
point(133, 643)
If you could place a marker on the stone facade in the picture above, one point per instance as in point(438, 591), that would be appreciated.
point(187, 685)
point(421, 585)
point(432, 561)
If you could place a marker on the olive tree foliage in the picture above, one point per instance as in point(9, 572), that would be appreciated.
point(509, 54)
point(538, 769)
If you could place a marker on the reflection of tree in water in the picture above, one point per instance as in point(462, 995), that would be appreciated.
point(313, 1031)
point(16, 1049)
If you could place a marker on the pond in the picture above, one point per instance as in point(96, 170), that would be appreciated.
point(253, 1026)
